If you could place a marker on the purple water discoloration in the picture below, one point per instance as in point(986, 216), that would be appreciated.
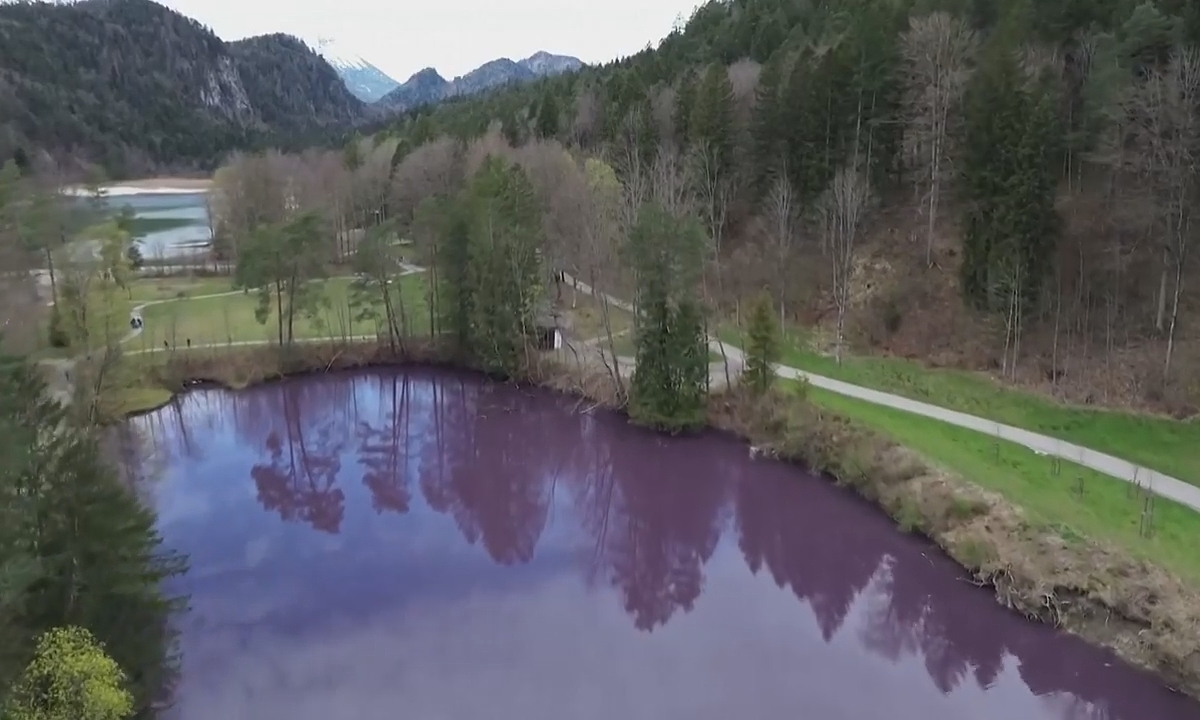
point(424, 544)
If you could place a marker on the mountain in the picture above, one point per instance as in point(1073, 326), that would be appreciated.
point(427, 86)
point(365, 81)
point(139, 88)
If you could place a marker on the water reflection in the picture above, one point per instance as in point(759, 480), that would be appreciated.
point(366, 594)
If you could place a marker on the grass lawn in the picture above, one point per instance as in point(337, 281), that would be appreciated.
point(1166, 445)
point(1108, 510)
point(167, 288)
point(230, 318)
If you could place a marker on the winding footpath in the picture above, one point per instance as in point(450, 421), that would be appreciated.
point(1158, 483)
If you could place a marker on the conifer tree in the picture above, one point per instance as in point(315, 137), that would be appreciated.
point(493, 274)
point(1009, 172)
point(767, 130)
point(670, 380)
point(92, 556)
point(711, 123)
point(685, 101)
point(548, 117)
point(762, 345)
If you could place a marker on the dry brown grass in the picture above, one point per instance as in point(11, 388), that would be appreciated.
point(1142, 612)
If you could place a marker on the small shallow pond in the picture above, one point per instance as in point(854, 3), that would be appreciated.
point(426, 544)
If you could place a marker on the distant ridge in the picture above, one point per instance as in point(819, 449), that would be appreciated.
point(428, 86)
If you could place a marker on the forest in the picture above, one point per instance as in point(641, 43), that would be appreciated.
point(995, 186)
point(136, 88)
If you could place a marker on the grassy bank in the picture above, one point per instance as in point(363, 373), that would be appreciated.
point(1077, 562)
point(1076, 501)
point(1051, 562)
point(1169, 446)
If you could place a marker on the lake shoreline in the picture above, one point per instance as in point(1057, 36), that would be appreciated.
point(146, 186)
point(1131, 607)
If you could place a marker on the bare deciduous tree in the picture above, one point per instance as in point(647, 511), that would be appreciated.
point(936, 50)
point(586, 122)
point(1165, 132)
point(432, 169)
point(841, 211)
point(781, 207)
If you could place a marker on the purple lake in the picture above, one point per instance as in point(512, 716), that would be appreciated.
point(427, 544)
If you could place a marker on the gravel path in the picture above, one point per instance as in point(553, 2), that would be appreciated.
point(1152, 480)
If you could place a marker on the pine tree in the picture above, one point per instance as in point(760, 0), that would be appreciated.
point(711, 123)
point(98, 558)
point(670, 380)
point(1010, 176)
point(762, 345)
point(493, 281)
point(767, 129)
point(548, 117)
point(685, 102)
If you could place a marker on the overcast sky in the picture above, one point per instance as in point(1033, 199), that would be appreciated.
point(453, 36)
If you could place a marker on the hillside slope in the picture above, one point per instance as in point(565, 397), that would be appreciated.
point(137, 87)
point(1087, 292)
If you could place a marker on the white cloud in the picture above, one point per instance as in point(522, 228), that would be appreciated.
point(454, 36)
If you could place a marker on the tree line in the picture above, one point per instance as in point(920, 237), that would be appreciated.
point(498, 230)
point(1046, 151)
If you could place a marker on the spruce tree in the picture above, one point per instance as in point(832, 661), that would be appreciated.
point(767, 130)
point(762, 345)
point(670, 380)
point(1009, 173)
point(98, 560)
point(711, 122)
point(499, 290)
point(685, 101)
point(548, 117)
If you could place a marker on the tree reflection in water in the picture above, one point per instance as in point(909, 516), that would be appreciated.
point(383, 448)
point(300, 481)
point(506, 464)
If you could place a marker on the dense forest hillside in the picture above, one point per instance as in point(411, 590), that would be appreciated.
point(137, 87)
point(1006, 186)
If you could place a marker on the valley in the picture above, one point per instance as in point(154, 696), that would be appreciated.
point(878, 320)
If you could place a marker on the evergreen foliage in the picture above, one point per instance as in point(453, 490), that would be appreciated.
point(77, 548)
point(492, 274)
point(762, 345)
point(548, 117)
point(711, 123)
point(670, 380)
point(1010, 176)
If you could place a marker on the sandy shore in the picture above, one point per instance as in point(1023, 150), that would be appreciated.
point(148, 186)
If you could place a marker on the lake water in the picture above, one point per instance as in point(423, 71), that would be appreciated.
point(187, 208)
point(426, 544)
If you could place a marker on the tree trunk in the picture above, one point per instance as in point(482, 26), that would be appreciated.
point(1174, 319)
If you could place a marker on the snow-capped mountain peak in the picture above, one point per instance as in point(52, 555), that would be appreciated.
point(340, 55)
point(366, 81)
